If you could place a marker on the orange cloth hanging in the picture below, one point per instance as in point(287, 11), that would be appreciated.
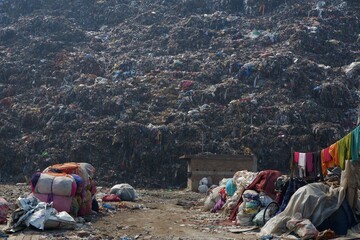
point(326, 164)
point(333, 151)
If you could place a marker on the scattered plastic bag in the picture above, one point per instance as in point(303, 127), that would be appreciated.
point(303, 228)
point(351, 69)
point(40, 215)
point(212, 198)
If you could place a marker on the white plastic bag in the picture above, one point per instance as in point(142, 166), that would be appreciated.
point(125, 191)
point(259, 218)
point(61, 220)
point(251, 202)
point(212, 198)
point(40, 215)
point(204, 181)
point(203, 188)
point(303, 228)
point(242, 218)
point(265, 199)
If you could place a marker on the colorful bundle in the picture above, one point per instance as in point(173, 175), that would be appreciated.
point(69, 186)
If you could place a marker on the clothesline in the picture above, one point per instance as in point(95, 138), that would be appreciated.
point(316, 163)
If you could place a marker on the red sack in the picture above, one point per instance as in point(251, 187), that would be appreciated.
point(111, 198)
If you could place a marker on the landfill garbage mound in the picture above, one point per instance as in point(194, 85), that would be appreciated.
point(131, 85)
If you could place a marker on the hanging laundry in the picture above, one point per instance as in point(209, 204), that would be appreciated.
point(328, 164)
point(302, 164)
point(327, 156)
point(309, 163)
point(296, 157)
point(317, 164)
point(355, 144)
point(344, 150)
point(333, 151)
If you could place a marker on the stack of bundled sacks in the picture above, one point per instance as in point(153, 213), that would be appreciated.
point(70, 186)
point(317, 210)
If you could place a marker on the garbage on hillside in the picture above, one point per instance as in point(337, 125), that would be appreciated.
point(214, 76)
point(197, 76)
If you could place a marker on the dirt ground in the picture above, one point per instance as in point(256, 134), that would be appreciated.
point(157, 214)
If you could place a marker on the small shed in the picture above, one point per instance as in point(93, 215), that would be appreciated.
point(216, 166)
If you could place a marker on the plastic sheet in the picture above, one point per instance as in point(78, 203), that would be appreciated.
point(315, 201)
point(243, 218)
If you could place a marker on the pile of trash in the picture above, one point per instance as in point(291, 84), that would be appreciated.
point(64, 196)
point(278, 206)
point(130, 86)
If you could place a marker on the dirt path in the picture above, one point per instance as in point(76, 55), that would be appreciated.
point(158, 214)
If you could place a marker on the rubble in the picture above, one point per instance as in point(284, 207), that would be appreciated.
point(101, 82)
